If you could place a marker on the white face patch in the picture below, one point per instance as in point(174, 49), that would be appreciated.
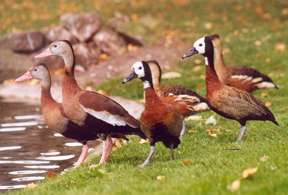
point(138, 68)
point(199, 45)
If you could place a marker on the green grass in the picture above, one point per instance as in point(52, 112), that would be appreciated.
point(212, 167)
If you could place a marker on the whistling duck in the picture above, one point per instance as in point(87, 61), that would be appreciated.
point(227, 101)
point(193, 101)
point(54, 116)
point(160, 121)
point(244, 78)
point(87, 107)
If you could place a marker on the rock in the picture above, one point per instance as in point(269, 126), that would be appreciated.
point(83, 26)
point(26, 42)
point(86, 54)
point(109, 41)
point(60, 33)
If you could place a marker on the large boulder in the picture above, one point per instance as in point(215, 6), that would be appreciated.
point(83, 25)
point(86, 53)
point(109, 41)
point(60, 33)
point(26, 42)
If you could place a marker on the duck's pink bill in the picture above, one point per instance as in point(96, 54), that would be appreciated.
point(26, 76)
point(44, 53)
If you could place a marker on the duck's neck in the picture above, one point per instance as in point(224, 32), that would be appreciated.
point(69, 61)
point(150, 95)
point(212, 80)
point(219, 64)
point(46, 98)
point(69, 83)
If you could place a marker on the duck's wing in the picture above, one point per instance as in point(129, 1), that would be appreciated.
point(106, 109)
point(241, 105)
point(251, 75)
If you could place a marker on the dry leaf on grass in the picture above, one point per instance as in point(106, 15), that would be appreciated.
point(171, 75)
point(248, 173)
point(143, 141)
point(234, 186)
point(268, 104)
point(160, 177)
point(31, 185)
point(264, 158)
point(280, 47)
point(186, 162)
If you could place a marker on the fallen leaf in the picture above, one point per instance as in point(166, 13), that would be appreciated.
point(51, 174)
point(208, 25)
point(160, 177)
point(103, 57)
point(280, 47)
point(212, 132)
point(268, 104)
point(196, 68)
point(234, 186)
point(194, 118)
point(264, 158)
point(171, 75)
point(143, 141)
point(257, 43)
point(197, 61)
point(186, 162)
point(247, 173)
point(264, 94)
point(211, 120)
point(31, 185)
point(284, 12)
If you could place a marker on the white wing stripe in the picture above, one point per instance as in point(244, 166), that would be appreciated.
point(114, 120)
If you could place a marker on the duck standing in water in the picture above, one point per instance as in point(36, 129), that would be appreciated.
point(90, 108)
point(227, 101)
point(160, 121)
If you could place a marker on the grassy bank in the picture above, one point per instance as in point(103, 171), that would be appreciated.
point(253, 34)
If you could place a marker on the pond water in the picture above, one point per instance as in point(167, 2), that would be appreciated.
point(28, 150)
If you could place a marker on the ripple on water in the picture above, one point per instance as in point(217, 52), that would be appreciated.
point(56, 158)
point(26, 172)
point(42, 166)
point(12, 129)
point(11, 187)
point(5, 148)
point(28, 117)
point(30, 178)
point(58, 135)
point(73, 144)
point(20, 124)
point(50, 153)
point(27, 162)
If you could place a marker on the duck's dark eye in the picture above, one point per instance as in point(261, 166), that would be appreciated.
point(200, 45)
point(140, 68)
point(35, 69)
point(54, 46)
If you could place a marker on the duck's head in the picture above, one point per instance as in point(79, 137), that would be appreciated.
point(58, 48)
point(141, 70)
point(202, 46)
point(39, 72)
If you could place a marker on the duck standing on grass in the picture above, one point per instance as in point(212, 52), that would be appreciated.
point(227, 101)
point(160, 121)
point(241, 77)
point(90, 108)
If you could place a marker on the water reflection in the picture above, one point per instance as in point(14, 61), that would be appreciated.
point(28, 150)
